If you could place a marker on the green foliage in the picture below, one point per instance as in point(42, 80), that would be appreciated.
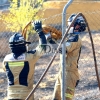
point(21, 12)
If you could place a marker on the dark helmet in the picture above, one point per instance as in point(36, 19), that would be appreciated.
point(79, 21)
point(17, 43)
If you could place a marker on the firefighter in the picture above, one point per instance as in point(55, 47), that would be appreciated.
point(73, 48)
point(20, 64)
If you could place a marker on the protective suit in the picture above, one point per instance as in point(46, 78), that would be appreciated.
point(73, 48)
point(20, 64)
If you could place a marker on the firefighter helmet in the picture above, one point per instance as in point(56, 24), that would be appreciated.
point(79, 21)
point(17, 43)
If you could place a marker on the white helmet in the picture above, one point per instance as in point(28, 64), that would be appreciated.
point(79, 21)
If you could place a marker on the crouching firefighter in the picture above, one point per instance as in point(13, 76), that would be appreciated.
point(73, 48)
point(20, 64)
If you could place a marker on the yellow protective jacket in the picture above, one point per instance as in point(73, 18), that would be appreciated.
point(20, 73)
point(73, 48)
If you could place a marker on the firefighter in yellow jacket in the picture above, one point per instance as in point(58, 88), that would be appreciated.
point(73, 48)
point(20, 64)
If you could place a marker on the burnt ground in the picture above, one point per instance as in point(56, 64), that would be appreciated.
point(87, 88)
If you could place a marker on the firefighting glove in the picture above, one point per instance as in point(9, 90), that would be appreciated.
point(48, 36)
point(37, 26)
